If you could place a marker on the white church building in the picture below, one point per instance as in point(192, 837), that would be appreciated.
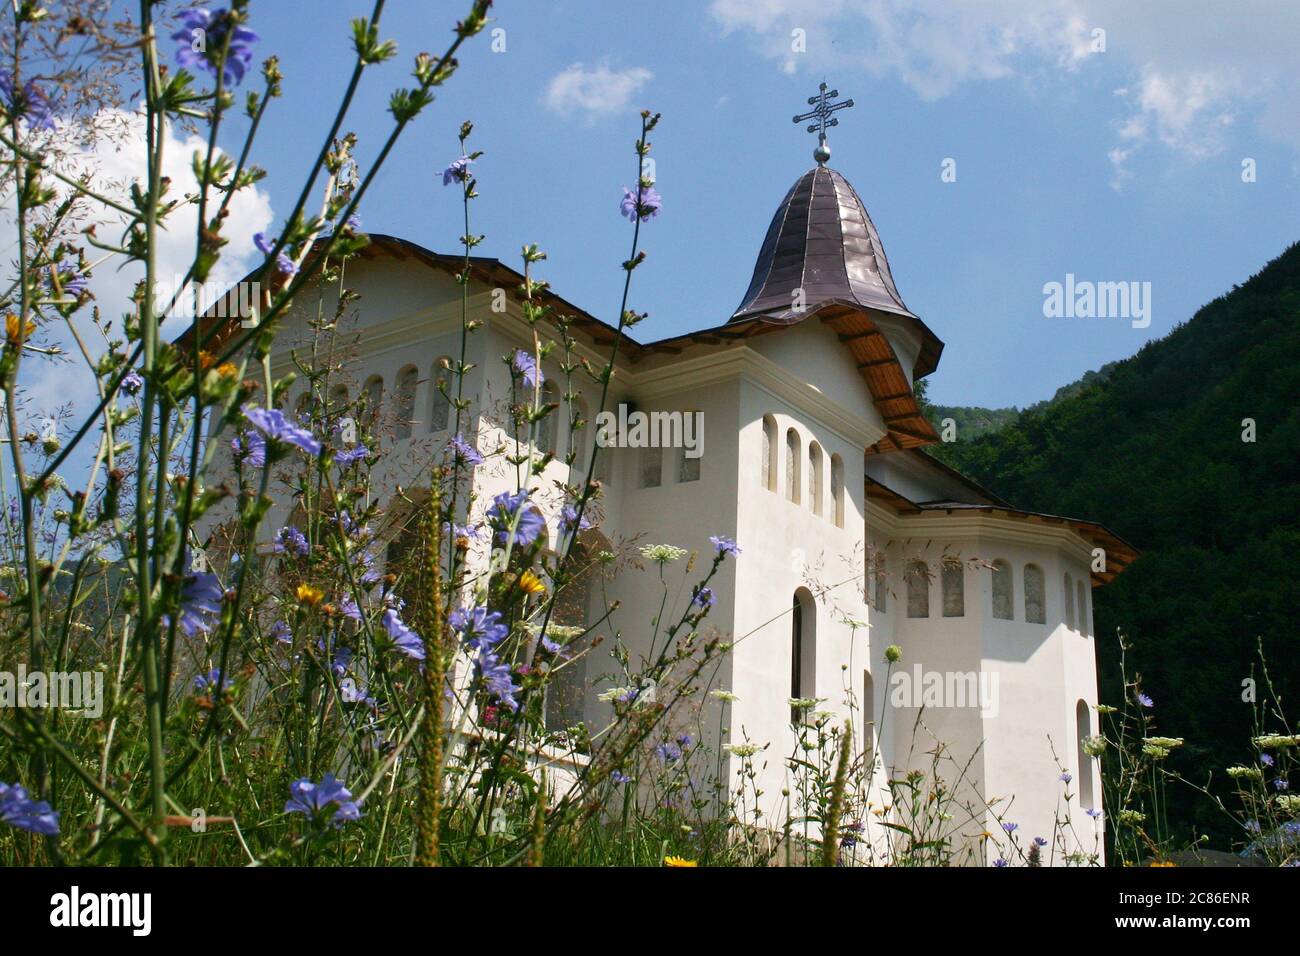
point(854, 539)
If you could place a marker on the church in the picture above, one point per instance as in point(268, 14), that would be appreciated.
point(872, 578)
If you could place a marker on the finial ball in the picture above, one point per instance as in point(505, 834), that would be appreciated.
point(822, 154)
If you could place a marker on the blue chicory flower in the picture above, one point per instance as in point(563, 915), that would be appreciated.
point(649, 206)
point(18, 810)
point(272, 423)
point(502, 515)
point(317, 799)
point(202, 38)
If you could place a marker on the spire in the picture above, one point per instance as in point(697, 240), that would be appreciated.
point(822, 108)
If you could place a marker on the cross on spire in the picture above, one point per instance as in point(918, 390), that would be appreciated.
point(821, 111)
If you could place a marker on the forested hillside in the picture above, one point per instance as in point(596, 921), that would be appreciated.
point(1154, 449)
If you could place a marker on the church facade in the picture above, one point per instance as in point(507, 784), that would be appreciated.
point(854, 539)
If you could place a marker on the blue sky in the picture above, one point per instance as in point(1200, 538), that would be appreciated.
point(1114, 165)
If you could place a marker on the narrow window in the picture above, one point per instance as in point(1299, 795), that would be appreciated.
point(837, 489)
point(339, 398)
point(769, 453)
point(652, 467)
point(803, 651)
point(792, 465)
point(880, 585)
point(578, 437)
point(918, 590)
point(1083, 720)
point(688, 468)
point(547, 429)
point(868, 719)
point(1035, 611)
point(407, 381)
point(1082, 605)
point(1002, 588)
point(815, 478)
point(1069, 601)
point(954, 591)
point(440, 386)
point(374, 398)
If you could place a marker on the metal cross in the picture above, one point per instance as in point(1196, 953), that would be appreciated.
point(821, 111)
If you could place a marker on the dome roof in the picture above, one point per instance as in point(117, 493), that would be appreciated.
point(822, 241)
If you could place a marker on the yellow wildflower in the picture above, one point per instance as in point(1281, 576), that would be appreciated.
point(531, 583)
point(678, 861)
point(309, 595)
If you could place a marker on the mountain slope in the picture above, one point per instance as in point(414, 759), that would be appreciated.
point(1154, 450)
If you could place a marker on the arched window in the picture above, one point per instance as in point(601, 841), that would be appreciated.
point(1035, 610)
point(953, 576)
point(918, 589)
point(1069, 601)
point(803, 651)
point(374, 389)
point(792, 465)
point(408, 380)
point(566, 691)
point(652, 467)
point(1003, 586)
point(769, 453)
point(815, 477)
point(548, 427)
point(837, 490)
point(880, 584)
point(440, 409)
point(1083, 722)
point(1082, 604)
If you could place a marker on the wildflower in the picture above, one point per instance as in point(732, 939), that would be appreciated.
point(28, 102)
point(621, 695)
point(999, 862)
point(661, 554)
point(530, 583)
point(1144, 700)
point(15, 329)
point(723, 546)
point(290, 539)
point(19, 810)
point(281, 631)
point(1039, 841)
point(403, 638)
point(668, 751)
point(350, 609)
point(249, 449)
point(316, 799)
point(526, 365)
point(893, 653)
point(742, 750)
point(1155, 751)
point(1266, 760)
point(703, 598)
point(1066, 778)
point(550, 646)
point(619, 777)
point(201, 596)
point(132, 382)
point(348, 456)
point(352, 694)
point(464, 451)
point(726, 696)
point(569, 518)
point(1167, 743)
point(1248, 773)
point(72, 282)
point(1011, 827)
point(1288, 803)
point(647, 207)
point(498, 679)
point(457, 170)
point(308, 594)
point(802, 703)
point(501, 516)
point(212, 683)
point(202, 38)
point(1094, 746)
point(272, 424)
point(677, 861)
point(1277, 741)
point(1132, 816)
point(478, 627)
point(1105, 709)
point(1281, 783)
point(283, 264)
point(353, 223)
point(1093, 812)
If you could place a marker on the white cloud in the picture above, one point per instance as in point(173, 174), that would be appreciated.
point(596, 91)
point(1191, 73)
point(114, 160)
